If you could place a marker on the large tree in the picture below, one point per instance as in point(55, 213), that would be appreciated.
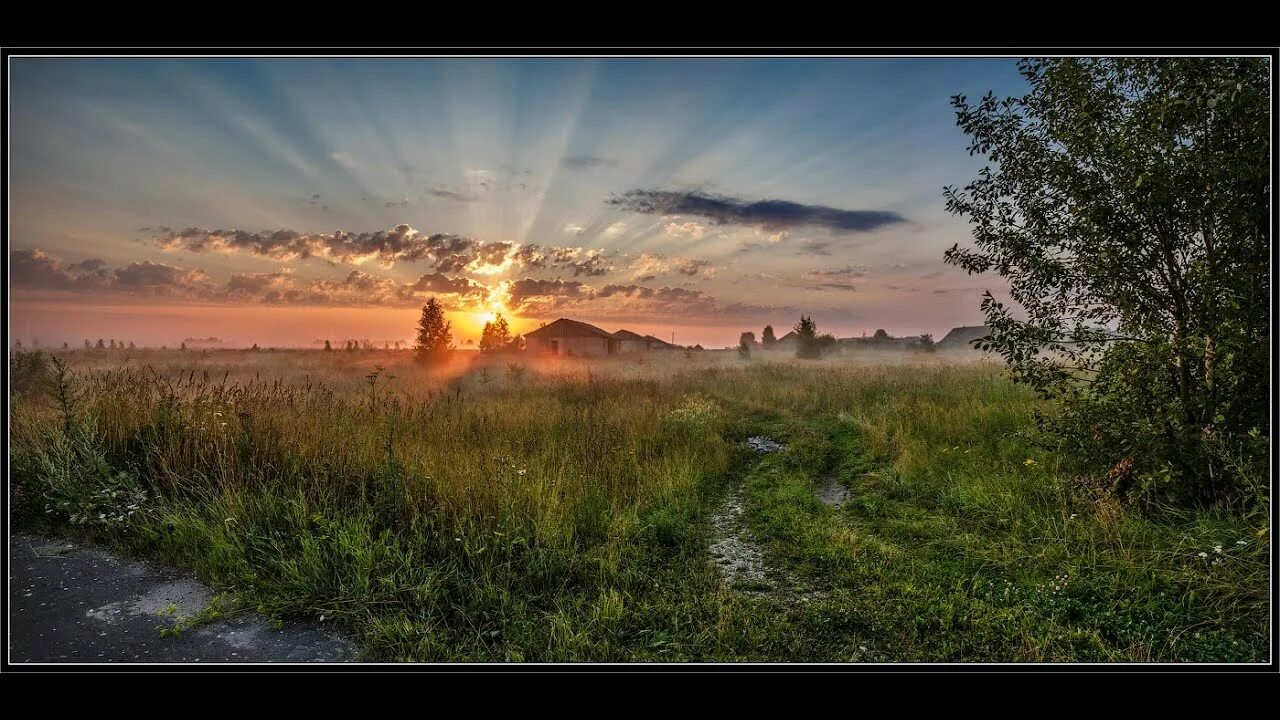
point(807, 339)
point(767, 338)
point(496, 336)
point(434, 339)
point(1126, 204)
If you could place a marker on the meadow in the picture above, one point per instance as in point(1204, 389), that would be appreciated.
point(506, 509)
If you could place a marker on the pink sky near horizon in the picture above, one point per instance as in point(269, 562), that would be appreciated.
point(53, 323)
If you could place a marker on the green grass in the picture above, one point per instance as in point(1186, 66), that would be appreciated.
point(562, 514)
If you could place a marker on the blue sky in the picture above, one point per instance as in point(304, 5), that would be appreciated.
point(782, 185)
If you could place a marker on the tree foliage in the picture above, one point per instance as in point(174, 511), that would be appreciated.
point(807, 338)
point(434, 341)
point(497, 337)
point(1126, 203)
point(767, 338)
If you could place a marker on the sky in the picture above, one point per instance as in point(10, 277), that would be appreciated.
point(287, 201)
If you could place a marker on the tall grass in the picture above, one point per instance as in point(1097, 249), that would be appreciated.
point(559, 511)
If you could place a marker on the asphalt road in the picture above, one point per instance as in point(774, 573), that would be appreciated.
point(74, 604)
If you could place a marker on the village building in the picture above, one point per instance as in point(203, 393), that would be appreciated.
point(787, 342)
point(656, 344)
point(571, 337)
point(629, 342)
point(962, 338)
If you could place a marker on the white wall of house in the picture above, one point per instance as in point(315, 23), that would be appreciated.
point(628, 346)
point(574, 346)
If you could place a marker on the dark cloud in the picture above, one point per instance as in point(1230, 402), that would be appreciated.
point(445, 252)
point(441, 283)
point(690, 267)
point(814, 247)
point(531, 257)
point(397, 203)
point(529, 287)
point(492, 253)
point(585, 162)
point(91, 265)
point(593, 264)
point(256, 283)
point(451, 195)
point(157, 278)
point(399, 244)
point(37, 270)
point(847, 271)
point(767, 214)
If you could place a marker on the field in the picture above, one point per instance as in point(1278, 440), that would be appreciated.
point(510, 510)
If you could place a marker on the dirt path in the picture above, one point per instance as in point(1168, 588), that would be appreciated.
point(740, 557)
point(69, 603)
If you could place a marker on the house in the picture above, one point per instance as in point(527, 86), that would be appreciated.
point(656, 344)
point(786, 342)
point(962, 338)
point(571, 337)
point(631, 342)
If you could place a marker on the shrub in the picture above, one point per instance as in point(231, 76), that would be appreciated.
point(71, 474)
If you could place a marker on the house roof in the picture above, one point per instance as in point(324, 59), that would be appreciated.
point(565, 327)
point(662, 343)
point(964, 335)
point(789, 336)
point(628, 335)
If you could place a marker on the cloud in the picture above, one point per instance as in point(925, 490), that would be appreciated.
point(580, 261)
point(627, 302)
point(586, 162)
point(847, 271)
point(529, 296)
point(692, 229)
point(403, 203)
point(646, 266)
point(37, 270)
point(770, 215)
point(441, 283)
point(444, 252)
point(251, 284)
point(444, 194)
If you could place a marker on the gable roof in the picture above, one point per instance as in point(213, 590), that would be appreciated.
point(964, 335)
point(628, 335)
point(565, 327)
point(660, 342)
point(789, 336)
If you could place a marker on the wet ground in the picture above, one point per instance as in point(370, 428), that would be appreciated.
point(832, 492)
point(740, 558)
point(735, 552)
point(70, 603)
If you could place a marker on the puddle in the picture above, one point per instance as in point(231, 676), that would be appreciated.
point(175, 600)
point(44, 547)
point(738, 556)
point(832, 492)
point(763, 445)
